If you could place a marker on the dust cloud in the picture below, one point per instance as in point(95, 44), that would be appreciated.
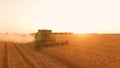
point(19, 38)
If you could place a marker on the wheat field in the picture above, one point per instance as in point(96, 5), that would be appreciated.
point(83, 51)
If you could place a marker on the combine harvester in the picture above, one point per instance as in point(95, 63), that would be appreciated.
point(45, 38)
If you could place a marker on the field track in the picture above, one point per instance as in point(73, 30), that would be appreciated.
point(16, 59)
point(3, 55)
point(6, 57)
point(25, 58)
point(12, 57)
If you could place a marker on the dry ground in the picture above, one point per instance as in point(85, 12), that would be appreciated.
point(83, 51)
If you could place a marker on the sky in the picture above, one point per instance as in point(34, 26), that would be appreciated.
point(77, 16)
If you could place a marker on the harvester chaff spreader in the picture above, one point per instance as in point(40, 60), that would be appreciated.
point(47, 38)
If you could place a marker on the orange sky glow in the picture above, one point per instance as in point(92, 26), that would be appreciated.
point(78, 16)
